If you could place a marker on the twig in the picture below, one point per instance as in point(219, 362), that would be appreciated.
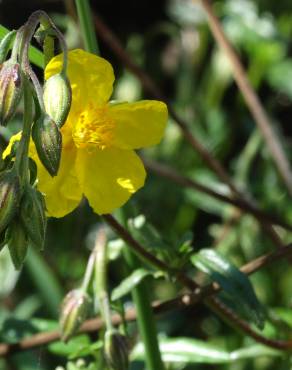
point(212, 302)
point(256, 108)
point(169, 173)
point(112, 41)
point(227, 227)
point(182, 301)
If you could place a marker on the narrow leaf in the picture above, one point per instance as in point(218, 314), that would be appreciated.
point(187, 350)
point(232, 281)
point(129, 283)
point(35, 55)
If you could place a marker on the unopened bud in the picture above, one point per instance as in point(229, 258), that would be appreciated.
point(32, 215)
point(10, 194)
point(10, 90)
point(17, 242)
point(116, 350)
point(57, 98)
point(48, 141)
point(74, 311)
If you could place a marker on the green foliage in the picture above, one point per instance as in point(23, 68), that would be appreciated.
point(186, 350)
point(189, 230)
point(233, 282)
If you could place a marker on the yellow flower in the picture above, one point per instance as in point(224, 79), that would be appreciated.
point(99, 138)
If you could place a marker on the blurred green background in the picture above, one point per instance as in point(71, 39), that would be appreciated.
point(171, 41)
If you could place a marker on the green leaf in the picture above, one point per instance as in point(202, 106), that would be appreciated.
point(45, 280)
point(232, 281)
point(187, 350)
point(279, 75)
point(146, 234)
point(130, 282)
point(73, 346)
point(35, 55)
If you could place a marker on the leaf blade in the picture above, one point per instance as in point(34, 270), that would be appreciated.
point(235, 283)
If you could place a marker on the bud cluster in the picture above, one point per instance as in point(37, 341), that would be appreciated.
point(45, 110)
point(22, 216)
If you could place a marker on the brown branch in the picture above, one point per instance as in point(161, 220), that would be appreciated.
point(254, 104)
point(212, 302)
point(114, 44)
point(185, 300)
point(169, 173)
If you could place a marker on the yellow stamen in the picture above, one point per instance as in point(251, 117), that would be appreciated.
point(93, 126)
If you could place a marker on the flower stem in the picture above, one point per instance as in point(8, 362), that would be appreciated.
point(145, 318)
point(87, 26)
point(21, 161)
point(89, 272)
point(101, 277)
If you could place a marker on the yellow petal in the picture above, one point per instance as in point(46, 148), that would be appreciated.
point(62, 192)
point(139, 124)
point(12, 140)
point(109, 177)
point(91, 77)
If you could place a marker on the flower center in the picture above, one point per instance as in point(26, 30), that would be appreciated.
point(94, 126)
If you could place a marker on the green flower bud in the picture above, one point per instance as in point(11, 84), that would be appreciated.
point(48, 141)
point(33, 217)
point(57, 98)
point(10, 90)
point(5, 45)
point(17, 242)
point(10, 194)
point(74, 311)
point(116, 350)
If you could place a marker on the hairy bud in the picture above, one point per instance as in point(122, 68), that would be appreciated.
point(17, 242)
point(57, 98)
point(10, 90)
point(74, 311)
point(48, 141)
point(10, 194)
point(116, 350)
point(32, 215)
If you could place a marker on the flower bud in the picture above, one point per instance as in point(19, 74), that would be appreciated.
point(10, 90)
point(57, 98)
point(74, 311)
point(32, 215)
point(48, 141)
point(116, 350)
point(10, 194)
point(17, 242)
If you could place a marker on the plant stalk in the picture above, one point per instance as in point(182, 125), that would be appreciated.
point(145, 317)
point(87, 26)
point(21, 161)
